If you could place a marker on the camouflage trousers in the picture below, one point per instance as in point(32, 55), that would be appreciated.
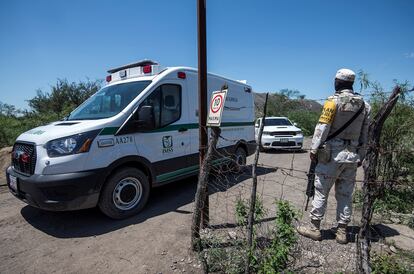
point(343, 176)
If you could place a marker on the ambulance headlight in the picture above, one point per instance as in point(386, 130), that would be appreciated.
point(74, 144)
point(266, 133)
point(63, 146)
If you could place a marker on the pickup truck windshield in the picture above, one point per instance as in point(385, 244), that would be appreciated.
point(109, 101)
point(277, 122)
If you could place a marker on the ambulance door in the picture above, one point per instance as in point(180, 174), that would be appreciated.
point(168, 145)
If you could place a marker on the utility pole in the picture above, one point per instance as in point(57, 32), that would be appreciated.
point(200, 214)
point(202, 97)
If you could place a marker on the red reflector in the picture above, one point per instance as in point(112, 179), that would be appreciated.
point(109, 78)
point(181, 75)
point(147, 69)
point(25, 158)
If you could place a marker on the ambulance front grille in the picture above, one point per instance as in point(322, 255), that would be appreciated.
point(24, 158)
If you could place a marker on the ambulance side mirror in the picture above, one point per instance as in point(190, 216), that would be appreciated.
point(145, 118)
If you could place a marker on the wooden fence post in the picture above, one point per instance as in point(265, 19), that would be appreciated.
point(201, 193)
point(253, 192)
point(370, 187)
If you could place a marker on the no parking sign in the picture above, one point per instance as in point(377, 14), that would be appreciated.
point(218, 98)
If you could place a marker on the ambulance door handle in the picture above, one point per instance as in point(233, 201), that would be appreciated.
point(182, 129)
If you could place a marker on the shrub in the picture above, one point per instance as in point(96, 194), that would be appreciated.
point(284, 238)
point(46, 107)
point(387, 264)
point(306, 120)
point(242, 211)
point(270, 257)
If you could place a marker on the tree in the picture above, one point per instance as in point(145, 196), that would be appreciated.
point(8, 110)
point(45, 108)
point(300, 110)
point(290, 93)
point(64, 96)
point(362, 78)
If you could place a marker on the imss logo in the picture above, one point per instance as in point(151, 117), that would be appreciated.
point(167, 144)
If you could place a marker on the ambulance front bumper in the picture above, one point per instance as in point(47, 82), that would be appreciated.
point(60, 192)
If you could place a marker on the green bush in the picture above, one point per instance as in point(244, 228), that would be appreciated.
point(45, 108)
point(242, 211)
point(387, 264)
point(273, 257)
point(396, 158)
point(291, 104)
point(12, 127)
point(396, 155)
point(396, 200)
point(306, 120)
point(64, 96)
point(276, 257)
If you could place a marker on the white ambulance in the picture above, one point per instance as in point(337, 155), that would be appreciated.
point(139, 131)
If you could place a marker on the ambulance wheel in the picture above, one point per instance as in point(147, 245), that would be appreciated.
point(124, 194)
point(240, 159)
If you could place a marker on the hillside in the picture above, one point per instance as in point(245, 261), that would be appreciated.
point(304, 112)
point(305, 104)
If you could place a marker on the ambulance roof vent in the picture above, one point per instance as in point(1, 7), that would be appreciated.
point(142, 63)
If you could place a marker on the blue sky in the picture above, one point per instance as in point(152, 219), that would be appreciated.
point(272, 44)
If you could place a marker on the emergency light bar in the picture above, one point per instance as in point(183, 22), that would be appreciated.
point(141, 68)
point(142, 63)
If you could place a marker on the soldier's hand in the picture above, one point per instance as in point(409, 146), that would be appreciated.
point(313, 157)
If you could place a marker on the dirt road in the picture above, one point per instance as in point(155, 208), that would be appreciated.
point(155, 241)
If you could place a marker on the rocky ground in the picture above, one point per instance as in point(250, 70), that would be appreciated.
point(158, 239)
point(4, 163)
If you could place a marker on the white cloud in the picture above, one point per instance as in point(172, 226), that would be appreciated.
point(409, 55)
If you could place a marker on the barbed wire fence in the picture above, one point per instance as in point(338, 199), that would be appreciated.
point(371, 189)
point(241, 231)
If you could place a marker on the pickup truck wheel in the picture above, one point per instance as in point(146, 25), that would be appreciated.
point(261, 148)
point(240, 159)
point(125, 193)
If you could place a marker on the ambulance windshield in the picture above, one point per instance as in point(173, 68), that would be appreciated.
point(109, 101)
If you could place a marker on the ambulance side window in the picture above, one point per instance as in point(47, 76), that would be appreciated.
point(166, 102)
point(171, 104)
point(154, 100)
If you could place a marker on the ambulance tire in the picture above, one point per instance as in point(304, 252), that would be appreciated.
point(240, 160)
point(124, 194)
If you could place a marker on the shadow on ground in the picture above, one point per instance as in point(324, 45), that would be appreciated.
point(90, 222)
point(378, 232)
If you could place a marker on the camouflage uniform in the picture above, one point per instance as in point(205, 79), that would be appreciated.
point(337, 163)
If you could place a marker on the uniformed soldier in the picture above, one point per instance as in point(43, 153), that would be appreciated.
point(339, 157)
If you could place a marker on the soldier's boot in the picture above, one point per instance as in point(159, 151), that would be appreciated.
point(311, 231)
point(341, 234)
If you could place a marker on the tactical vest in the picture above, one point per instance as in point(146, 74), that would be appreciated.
point(347, 104)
